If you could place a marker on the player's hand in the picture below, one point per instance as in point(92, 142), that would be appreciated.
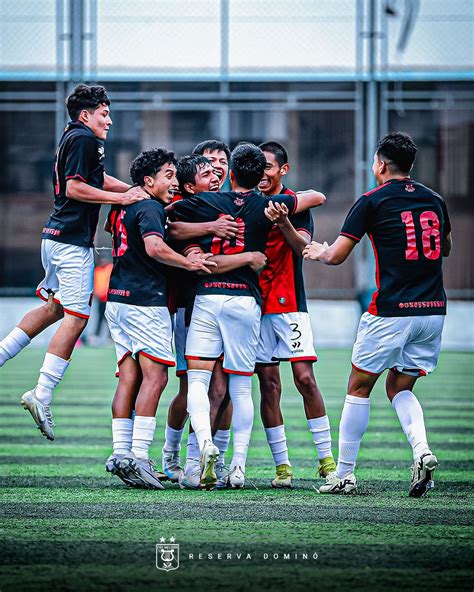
point(132, 195)
point(314, 250)
point(276, 212)
point(198, 261)
point(258, 261)
point(224, 227)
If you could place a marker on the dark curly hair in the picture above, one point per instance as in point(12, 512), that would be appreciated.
point(398, 151)
point(247, 162)
point(85, 97)
point(187, 169)
point(148, 163)
point(212, 145)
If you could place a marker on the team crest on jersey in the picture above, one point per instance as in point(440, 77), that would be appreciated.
point(167, 555)
point(101, 151)
point(409, 187)
point(239, 201)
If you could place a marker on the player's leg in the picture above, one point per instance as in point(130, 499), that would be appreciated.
point(221, 417)
point(318, 421)
point(268, 373)
point(419, 358)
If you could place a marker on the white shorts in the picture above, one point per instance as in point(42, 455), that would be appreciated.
point(180, 333)
point(140, 329)
point(409, 345)
point(69, 276)
point(229, 324)
point(285, 337)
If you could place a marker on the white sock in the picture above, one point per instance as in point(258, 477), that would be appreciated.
point(221, 440)
point(12, 344)
point(319, 427)
point(276, 439)
point(192, 448)
point(410, 414)
point(51, 373)
point(172, 439)
point(354, 422)
point(122, 431)
point(240, 389)
point(199, 408)
point(143, 433)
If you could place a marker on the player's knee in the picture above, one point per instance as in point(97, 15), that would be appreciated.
point(270, 388)
point(306, 383)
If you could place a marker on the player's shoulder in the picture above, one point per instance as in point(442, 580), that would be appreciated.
point(76, 132)
point(146, 206)
point(287, 191)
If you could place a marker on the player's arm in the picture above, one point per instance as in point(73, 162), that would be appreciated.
point(80, 191)
point(195, 260)
point(335, 254)
point(225, 263)
point(115, 185)
point(278, 214)
point(447, 244)
point(309, 199)
point(224, 227)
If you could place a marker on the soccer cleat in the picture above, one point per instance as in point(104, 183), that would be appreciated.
point(222, 474)
point(326, 465)
point(171, 465)
point(422, 475)
point(209, 458)
point(140, 471)
point(283, 477)
point(236, 477)
point(335, 484)
point(112, 465)
point(190, 476)
point(40, 413)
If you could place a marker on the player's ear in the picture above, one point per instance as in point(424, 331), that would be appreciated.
point(148, 181)
point(284, 169)
point(84, 115)
point(232, 177)
point(189, 188)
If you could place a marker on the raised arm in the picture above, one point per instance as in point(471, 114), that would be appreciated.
point(113, 184)
point(76, 189)
point(278, 213)
point(309, 199)
point(223, 227)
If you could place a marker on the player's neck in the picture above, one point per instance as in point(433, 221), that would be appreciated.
point(239, 189)
point(393, 177)
point(276, 191)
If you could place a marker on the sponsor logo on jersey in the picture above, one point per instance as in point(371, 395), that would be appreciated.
point(239, 201)
point(410, 188)
point(101, 151)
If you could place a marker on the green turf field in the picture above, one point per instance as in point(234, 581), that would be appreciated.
point(67, 525)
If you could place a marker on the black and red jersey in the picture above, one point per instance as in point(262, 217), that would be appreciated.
point(248, 211)
point(80, 155)
point(281, 282)
point(406, 223)
point(136, 277)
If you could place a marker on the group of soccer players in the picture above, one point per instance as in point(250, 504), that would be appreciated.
point(222, 270)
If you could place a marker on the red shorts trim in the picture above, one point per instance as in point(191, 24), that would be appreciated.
point(366, 371)
point(304, 359)
point(38, 293)
point(203, 359)
point(76, 314)
point(159, 360)
point(238, 372)
point(419, 370)
point(122, 359)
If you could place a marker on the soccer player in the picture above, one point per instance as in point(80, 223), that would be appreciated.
point(226, 314)
point(80, 186)
point(138, 317)
point(409, 228)
point(285, 330)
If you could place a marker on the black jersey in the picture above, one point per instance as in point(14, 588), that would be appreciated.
point(281, 282)
point(80, 155)
point(136, 277)
point(406, 223)
point(253, 227)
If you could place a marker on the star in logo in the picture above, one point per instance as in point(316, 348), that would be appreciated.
point(172, 540)
point(162, 540)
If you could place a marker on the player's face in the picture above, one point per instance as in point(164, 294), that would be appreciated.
point(162, 184)
point(377, 169)
point(218, 159)
point(98, 121)
point(206, 179)
point(271, 180)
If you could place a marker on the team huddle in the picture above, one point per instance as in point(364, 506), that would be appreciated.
point(220, 272)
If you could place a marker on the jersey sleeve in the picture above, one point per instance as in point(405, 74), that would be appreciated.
point(303, 221)
point(447, 221)
point(151, 219)
point(290, 201)
point(79, 155)
point(358, 220)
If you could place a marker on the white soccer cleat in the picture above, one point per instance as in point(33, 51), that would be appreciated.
point(222, 474)
point(335, 484)
point(236, 477)
point(140, 471)
point(190, 476)
point(209, 458)
point(40, 413)
point(422, 475)
point(171, 465)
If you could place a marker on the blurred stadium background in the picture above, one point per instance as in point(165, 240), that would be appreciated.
point(325, 78)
